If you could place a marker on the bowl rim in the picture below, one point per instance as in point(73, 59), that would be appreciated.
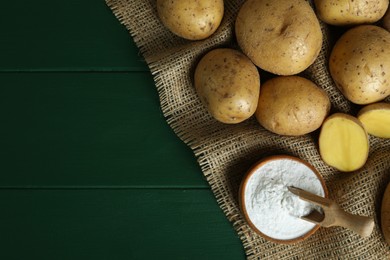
point(244, 182)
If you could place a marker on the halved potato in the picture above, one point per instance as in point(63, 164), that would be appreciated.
point(376, 119)
point(343, 142)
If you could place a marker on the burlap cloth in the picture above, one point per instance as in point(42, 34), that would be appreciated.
point(225, 152)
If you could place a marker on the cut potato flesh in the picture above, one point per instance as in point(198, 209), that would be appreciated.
point(343, 142)
point(376, 119)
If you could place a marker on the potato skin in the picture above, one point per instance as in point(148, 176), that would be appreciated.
point(228, 84)
point(374, 106)
point(283, 37)
point(386, 20)
point(360, 64)
point(341, 13)
point(292, 105)
point(191, 19)
point(385, 214)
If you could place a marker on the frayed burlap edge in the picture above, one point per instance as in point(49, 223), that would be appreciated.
point(225, 152)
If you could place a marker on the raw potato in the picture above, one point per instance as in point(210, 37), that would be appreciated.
point(385, 214)
point(360, 64)
point(376, 119)
point(343, 142)
point(228, 84)
point(283, 37)
point(292, 105)
point(386, 20)
point(351, 12)
point(189, 19)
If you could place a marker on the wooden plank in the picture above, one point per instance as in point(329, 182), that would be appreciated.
point(114, 224)
point(66, 36)
point(89, 129)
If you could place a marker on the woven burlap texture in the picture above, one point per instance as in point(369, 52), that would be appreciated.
point(226, 152)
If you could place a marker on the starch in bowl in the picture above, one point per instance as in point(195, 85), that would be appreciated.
point(270, 208)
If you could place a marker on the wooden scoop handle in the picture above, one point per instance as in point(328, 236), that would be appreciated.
point(359, 224)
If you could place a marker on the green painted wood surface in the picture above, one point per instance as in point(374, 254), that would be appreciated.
point(89, 169)
point(64, 35)
point(114, 224)
point(88, 129)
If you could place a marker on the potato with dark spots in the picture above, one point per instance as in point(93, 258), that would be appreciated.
point(282, 37)
point(228, 84)
point(291, 105)
point(360, 64)
point(350, 12)
point(191, 19)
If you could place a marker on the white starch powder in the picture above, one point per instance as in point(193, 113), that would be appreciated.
point(271, 207)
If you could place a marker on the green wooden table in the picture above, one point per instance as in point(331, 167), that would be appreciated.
point(89, 168)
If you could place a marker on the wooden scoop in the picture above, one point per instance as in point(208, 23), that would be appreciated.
point(333, 214)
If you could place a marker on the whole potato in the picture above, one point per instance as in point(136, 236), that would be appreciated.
point(385, 214)
point(291, 105)
point(228, 84)
point(189, 19)
point(360, 64)
point(386, 20)
point(283, 37)
point(353, 12)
